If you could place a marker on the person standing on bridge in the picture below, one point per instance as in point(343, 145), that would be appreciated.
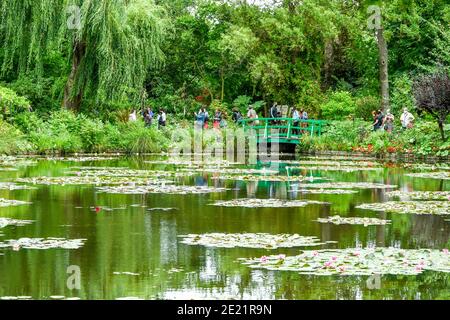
point(274, 113)
point(237, 115)
point(252, 115)
point(296, 116)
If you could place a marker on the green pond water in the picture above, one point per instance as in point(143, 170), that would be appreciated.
point(146, 243)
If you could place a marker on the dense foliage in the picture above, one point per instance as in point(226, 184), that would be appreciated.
point(103, 59)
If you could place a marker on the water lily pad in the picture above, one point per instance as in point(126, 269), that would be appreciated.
point(335, 168)
point(331, 163)
point(163, 209)
point(249, 240)
point(347, 185)
point(126, 274)
point(13, 186)
point(11, 203)
point(338, 220)
point(420, 195)
point(410, 207)
point(227, 171)
point(5, 222)
point(380, 261)
point(43, 244)
point(431, 175)
point(268, 178)
point(160, 189)
point(92, 180)
point(16, 162)
point(325, 191)
point(80, 159)
point(112, 173)
point(266, 203)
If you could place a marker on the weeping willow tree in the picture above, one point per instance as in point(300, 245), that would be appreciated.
point(111, 44)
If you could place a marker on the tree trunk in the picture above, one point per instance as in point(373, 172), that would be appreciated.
point(384, 69)
point(223, 86)
point(73, 101)
point(441, 129)
point(328, 66)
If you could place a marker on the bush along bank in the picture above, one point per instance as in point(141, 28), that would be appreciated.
point(64, 132)
point(358, 136)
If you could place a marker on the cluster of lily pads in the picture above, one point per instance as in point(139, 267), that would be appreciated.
point(338, 220)
point(328, 163)
point(265, 203)
point(81, 159)
point(160, 189)
point(113, 172)
point(16, 162)
point(92, 180)
point(250, 240)
point(43, 243)
point(268, 178)
point(336, 168)
point(445, 175)
point(410, 207)
point(347, 185)
point(423, 166)
point(5, 222)
point(379, 261)
point(13, 186)
point(229, 171)
point(420, 195)
point(325, 191)
point(11, 203)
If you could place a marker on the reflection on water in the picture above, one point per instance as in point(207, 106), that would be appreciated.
point(146, 243)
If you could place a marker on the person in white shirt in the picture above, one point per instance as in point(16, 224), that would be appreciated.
point(252, 115)
point(407, 119)
point(133, 116)
point(162, 119)
point(296, 116)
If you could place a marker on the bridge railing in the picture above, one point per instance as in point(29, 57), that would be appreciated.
point(287, 128)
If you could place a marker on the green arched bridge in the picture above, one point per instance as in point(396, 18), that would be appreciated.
point(285, 131)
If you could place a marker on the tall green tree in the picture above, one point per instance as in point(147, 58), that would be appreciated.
point(110, 44)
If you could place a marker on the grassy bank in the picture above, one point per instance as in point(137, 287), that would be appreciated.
point(64, 132)
point(358, 136)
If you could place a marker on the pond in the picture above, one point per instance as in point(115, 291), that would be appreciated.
point(154, 228)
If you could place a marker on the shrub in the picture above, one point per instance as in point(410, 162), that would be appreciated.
point(11, 103)
point(340, 105)
point(12, 140)
point(364, 107)
point(138, 139)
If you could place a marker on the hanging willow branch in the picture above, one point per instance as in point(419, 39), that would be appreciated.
point(111, 52)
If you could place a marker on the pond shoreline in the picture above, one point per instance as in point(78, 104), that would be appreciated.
point(386, 157)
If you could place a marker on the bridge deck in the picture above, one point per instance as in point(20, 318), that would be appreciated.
point(283, 130)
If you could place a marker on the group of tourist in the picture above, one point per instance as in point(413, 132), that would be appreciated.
point(386, 121)
point(148, 116)
point(202, 119)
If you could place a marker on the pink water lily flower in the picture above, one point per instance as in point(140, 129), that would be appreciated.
point(419, 268)
point(315, 254)
point(334, 258)
point(445, 251)
point(328, 264)
point(264, 259)
point(282, 257)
